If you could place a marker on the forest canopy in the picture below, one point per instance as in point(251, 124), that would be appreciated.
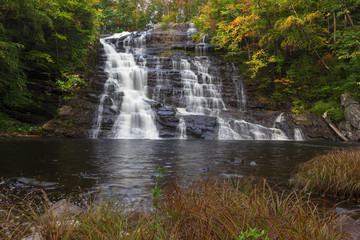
point(298, 53)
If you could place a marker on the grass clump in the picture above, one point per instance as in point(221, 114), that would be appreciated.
point(334, 174)
point(239, 209)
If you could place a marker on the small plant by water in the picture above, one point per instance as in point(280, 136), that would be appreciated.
point(335, 174)
point(252, 233)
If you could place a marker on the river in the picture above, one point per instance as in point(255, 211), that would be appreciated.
point(128, 167)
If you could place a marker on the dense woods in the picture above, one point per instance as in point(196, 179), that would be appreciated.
point(296, 51)
point(43, 45)
point(300, 54)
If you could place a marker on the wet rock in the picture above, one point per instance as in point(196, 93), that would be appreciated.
point(65, 111)
point(348, 226)
point(340, 211)
point(200, 126)
point(351, 126)
point(76, 115)
point(165, 112)
point(64, 209)
point(315, 127)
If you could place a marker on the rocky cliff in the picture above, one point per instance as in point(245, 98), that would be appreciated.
point(350, 127)
point(165, 54)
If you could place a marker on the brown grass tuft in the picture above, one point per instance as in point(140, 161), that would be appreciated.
point(227, 209)
point(334, 174)
point(230, 209)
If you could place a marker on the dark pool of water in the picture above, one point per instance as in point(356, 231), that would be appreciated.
point(129, 167)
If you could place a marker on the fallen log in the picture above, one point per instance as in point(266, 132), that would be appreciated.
point(336, 130)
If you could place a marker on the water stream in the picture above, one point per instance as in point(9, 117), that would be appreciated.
point(128, 167)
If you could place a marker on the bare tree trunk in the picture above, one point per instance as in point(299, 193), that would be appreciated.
point(248, 49)
point(334, 19)
point(350, 19)
point(328, 23)
point(345, 20)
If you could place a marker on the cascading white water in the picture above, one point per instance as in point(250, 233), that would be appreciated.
point(279, 119)
point(298, 135)
point(200, 96)
point(181, 128)
point(201, 48)
point(235, 130)
point(125, 87)
point(159, 81)
point(125, 108)
point(239, 89)
point(191, 30)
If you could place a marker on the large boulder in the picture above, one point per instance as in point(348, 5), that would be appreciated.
point(350, 127)
point(346, 225)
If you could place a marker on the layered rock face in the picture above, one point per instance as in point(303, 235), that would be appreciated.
point(190, 90)
point(351, 126)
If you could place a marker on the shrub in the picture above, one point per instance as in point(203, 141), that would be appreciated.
point(335, 113)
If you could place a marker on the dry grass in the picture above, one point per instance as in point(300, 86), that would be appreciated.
point(228, 209)
point(334, 174)
point(222, 210)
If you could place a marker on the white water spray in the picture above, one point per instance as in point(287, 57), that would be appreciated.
point(181, 128)
point(126, 87)
point(298, 135)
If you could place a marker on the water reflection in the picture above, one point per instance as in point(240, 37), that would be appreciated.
point(129, 167)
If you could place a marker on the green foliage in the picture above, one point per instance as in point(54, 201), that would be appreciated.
point(9, 125)
point(335, 113)
point(40, 40)
point(165, 26)
point(252, 233)
point(156, 191)
point(298, 107)
point(70, 83)
point(294, 50)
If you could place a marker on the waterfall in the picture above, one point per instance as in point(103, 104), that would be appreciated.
point(235, 130)
point(181, 128)
point(125, 111)
point(200, 95)
point(298, 135)
point(201, 48)
point(239, 89)
point(226, 132)
point(279, 119)
point(191, 30)
point(125, 90)
point(160, 81)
